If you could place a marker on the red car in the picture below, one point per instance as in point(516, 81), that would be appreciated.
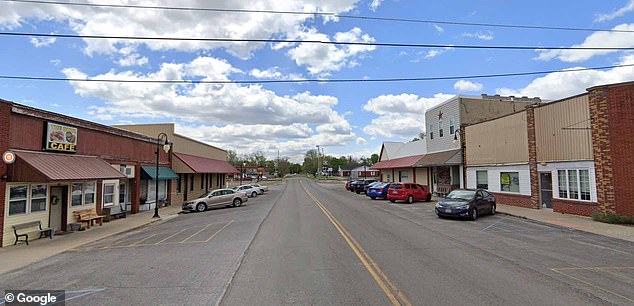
point(409, 192)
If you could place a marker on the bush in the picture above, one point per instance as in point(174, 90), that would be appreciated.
point(613, 218)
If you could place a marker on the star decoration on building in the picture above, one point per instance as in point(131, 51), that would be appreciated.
point(439, 115)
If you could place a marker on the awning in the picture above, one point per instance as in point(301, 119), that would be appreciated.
point(205, 165)
point(48, 167)
point(149, 173)
point(451, 157)
point(403, 162)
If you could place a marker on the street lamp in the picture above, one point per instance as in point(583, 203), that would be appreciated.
point(318, 153)
point(162, 137)
point(241, 170)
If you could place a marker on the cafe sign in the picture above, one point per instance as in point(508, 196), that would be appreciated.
point(61, 137)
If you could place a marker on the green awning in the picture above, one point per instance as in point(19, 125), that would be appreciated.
point(149, 173)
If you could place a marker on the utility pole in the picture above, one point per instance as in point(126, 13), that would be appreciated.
point(318, 152)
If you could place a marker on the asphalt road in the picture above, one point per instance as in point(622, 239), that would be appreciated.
point(306, 243)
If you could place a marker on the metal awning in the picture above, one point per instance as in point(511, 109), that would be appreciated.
point(445, 158)
point(31, 166)
point(164, 173)
point(403, 162)
point(199, 164)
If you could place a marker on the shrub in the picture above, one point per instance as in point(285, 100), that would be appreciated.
point(613, 218)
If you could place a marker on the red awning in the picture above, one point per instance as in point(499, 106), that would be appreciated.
point(403, 162)
point(205, 165)
point(47, 167)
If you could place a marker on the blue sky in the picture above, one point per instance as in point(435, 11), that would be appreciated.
point(346, 119)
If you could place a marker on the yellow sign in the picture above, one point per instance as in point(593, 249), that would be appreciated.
point(505, 179)
point(61, 137)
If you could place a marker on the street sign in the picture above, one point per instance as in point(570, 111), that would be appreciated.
point(8, 157)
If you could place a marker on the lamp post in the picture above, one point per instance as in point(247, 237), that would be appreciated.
point(162, 137)
point(241, 170)
point(318, 153)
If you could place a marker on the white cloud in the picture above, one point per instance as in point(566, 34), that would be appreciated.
point(42, 42)
point(273, 73)
point(463, 85)
point(361, 141)
point(435, 52)
point(479, 35)
point(596, 39)
point(561, 85)
point(375, 5)
point(171, 23)
point(55, 62)
point(401, 116)
point(247, 118)
point(439, 29)
point(618, 13)
point(321, 59)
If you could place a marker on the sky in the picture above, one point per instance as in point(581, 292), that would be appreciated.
point(343, 118)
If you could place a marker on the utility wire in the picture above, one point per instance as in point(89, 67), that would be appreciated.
point(477, 76)
point(329, 14)
point(312, 41)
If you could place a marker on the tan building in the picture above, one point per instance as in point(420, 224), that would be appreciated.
point(200, 167)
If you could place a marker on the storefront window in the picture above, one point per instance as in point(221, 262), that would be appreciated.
point(563, 184)
point(444, 175)
point(584, 183)
point(38, 197)
point(573, 188)
point(510, 181)
point(76, 192)
point(122, 192)
point(89, 193)
point(17, 199)
point(108, 194)
point(482, 179)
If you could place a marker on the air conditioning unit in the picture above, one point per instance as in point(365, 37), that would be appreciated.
point(128, 171)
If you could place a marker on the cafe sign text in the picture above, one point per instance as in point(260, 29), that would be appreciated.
point(61, 137)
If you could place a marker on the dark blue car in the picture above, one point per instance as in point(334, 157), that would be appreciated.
point(378, 190)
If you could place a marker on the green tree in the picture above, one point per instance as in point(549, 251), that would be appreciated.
point(374, 158)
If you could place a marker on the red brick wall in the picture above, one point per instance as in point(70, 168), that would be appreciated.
point(5, 117)
point(621, 114)
point(575, 207)
point(532, 157)
point(513, 199)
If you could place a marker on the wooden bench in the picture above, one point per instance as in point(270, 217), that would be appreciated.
point(88, 216)
point(29, 228)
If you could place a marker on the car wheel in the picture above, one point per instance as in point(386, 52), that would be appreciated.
point(201, 207)
point(358, 192)
point(410, 199)
point(392, 200)
point(493, 209)
point(254, 194)
point(373, 198)
point(474, 214)
point(237, 203)
point(428, 198)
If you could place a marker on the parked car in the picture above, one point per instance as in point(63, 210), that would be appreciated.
point(216, 198)
point(361, 185)
point(352, 185)
point(262, 188)
point(378, 190)
point(251, 191)
point(469, 203)
point(409, 192)
point(348, 184)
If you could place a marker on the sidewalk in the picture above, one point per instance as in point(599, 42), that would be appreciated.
point(581, 223)
point(15, 257)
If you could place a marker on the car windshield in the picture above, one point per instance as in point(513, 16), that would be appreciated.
point(396, 186)
point(465, 195)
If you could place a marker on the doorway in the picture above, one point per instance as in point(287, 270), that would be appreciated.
point(546, 189)
point(58, 214)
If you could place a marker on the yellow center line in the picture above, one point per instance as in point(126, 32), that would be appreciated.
point(172, 235)
point(220, 230)
point(196, 233)
point(379, 276)
point(591, 284)
point(139, 242)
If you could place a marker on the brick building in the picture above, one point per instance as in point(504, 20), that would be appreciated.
point(572, 155)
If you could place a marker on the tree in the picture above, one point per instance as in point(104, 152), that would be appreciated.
point(420, 136)
point(310, 161)
point(374, 158)
point(232, 158)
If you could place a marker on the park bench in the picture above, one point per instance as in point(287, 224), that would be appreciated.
point(88, 216)
point(28, 228)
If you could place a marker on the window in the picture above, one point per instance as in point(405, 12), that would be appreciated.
point(510, 181)
point(563, 183)
point(108, 194)
point(440, 128)
point(573, 188)
point(89, 193)
point(191, 183)
point(574, 184)
point(452, 128)
point(122, 192)
point(584, 184)
point(17, 199)
point(38, 197)
point(178, 183)
point(75, 194)
point(482, 179)
point(202, 181)
point(431, 131)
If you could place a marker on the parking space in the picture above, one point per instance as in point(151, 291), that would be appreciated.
point(616, 282)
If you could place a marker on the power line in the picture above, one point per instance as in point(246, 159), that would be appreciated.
point(312, 41)
point(477, 76)
point(330, 14)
